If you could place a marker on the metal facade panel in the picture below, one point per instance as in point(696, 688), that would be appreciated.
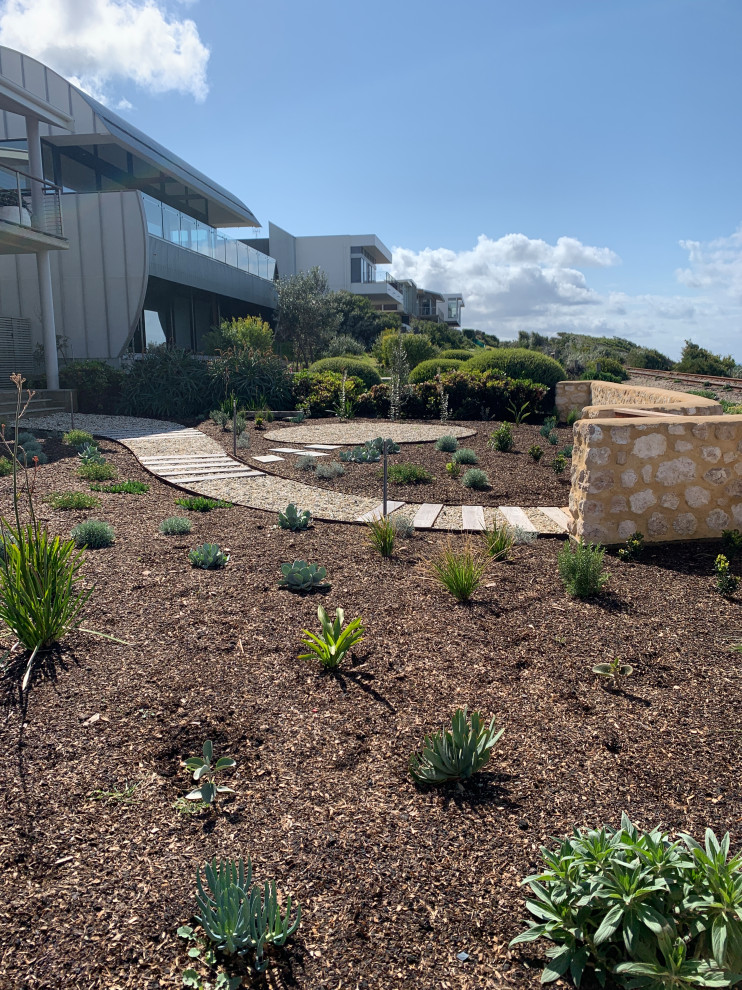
point(15, 348)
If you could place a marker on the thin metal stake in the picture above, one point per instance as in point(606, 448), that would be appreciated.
point(72, 411)
point(384, 448)
point(234, 428)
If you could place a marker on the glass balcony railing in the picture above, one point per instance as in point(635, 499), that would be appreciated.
point(30, 202)
point(178, 228)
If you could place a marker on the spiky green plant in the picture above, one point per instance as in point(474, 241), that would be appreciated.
point(175, 526)
point(205, 772)
point(239, 918)
point(208, 557)
point(455, 753)
point(459, 571)
point(381, 534)
point(547, 426)
point(572, 416)
point(581, 568)
point(294, 519)
point(301, 576)
point(90, 454)
point(331, 646)
point(499, 542)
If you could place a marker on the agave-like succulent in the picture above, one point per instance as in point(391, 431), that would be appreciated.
point(90, 454)
point(457, 753)
point(301, 576)
point(240, 918)
point(209, 557)
point(334, 642)
point(294, 518)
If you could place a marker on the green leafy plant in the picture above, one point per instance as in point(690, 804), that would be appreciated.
point(331, 646)
point(408, 474)
point(382, 534)
point(567, 450)
point(122, 488)
point(519, 414)
point(731, 540)
point(535, 453)
point(329, 471)
point(72, 500)
point(475, 478)
point(455, 753)
point(205, 772)
point(259, 422)
point(726, 582)
point(208, 557)
point(199, 503)
point(502, 438)
point(378, 444)
point(294, 519)
point(559, 464)
point(613, 669)
point(6, 467)
point(78, 439)
point(638, 907)
point(499, 542)
point(453, 469)
point(175, 526)
point(93, 534)
point(367, 454)
point(307, 462)
point(464, 455)
point(403, 526)
point(459, 571)
point(633, 548)
point(238, 917)
point(548, 426)
point(553, 438)
point(90, 454)
point(581, 568)
point(447, 444)
point(221, 417)
point(97, 472)
point(572, 416)
point(301, 576)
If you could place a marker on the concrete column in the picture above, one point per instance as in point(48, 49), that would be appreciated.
point(43, 267)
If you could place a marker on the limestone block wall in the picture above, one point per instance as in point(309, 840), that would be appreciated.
point(596, 399)
point(669, 478)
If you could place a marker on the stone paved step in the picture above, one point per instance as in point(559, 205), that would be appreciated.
point(215, 477)
point(224, 468)
point(378, 512)
point(560, 516)
point(472, 518)
point(516, 518)
point(426, 515)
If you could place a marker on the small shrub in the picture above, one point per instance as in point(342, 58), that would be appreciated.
point(307, 462)
point(243, 441)
point(459, 571)
point(474, 478)
point(331, 646)
point(553, 438)
point(726, 582)
point(408, 474)
point(731, 540)
point(72, 500)
point(259, 422)
point(456, 753)
point(453, 469)
point(6, 467)
point(329, 471)
point(97, 472)
point(199, 503)
point(705, 393)
point(98, 385)
point(559, 464)
point(205, 771)
point(355, 367)
point(548, 425)
point(78, 439)
point(535, 453)
point(502, 438)
point(122, 488)
point(572, 416)
point(499, 542)
point(93, 534)
point(209, 557)
point(465, 455)
point(382, 534)
point(581, 568)
point(220, 417)
point(403, 527)
point(632, 548)
point(294, 519)
point(567, 450)
point(519, 362)
point(175, 526)
point(426, 371)
point(301, 576)
point(447, 444)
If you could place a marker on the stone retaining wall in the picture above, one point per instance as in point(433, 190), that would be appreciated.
point(597, 400)
point(669, 478)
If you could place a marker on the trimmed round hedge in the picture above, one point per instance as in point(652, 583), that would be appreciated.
point(519, 362)
point(427, 370)
point(354, 366)
point(457, 354)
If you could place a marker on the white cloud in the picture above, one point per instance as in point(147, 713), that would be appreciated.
point(518, 283)
point(96, 43)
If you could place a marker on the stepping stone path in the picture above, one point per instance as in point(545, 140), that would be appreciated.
point(191, 460)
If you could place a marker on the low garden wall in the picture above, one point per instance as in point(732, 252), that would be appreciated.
point(598, 400)
point(668, 477)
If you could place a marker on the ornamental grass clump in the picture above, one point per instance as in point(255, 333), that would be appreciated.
point(455, 753)
point(382, 534)
point(72, 500)
point(459, 571)
point(638, 909)
point(476, 479)
point(499, 542)
point(464, 455)
point(90, 454)
point(175, 526)
point(334, 642)
point(581, 568)
point(93, 534)
point(447, 444)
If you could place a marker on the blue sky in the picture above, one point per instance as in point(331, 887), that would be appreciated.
point(566, 165)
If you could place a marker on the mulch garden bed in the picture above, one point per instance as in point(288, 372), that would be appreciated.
point(515, 479)
point(394, 881)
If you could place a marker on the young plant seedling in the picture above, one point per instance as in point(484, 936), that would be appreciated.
point(204, 772)
point(614, 669)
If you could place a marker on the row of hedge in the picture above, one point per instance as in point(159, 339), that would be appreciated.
point(512, 362)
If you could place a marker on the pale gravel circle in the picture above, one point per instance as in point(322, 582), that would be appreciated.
point(358, 433)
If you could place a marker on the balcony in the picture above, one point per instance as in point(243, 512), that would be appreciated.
point(178, 228)
point(30, 213)
point(379, 289)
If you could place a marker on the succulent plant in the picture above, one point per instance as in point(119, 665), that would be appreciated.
point(90, 454)
point(378, 445)
point(334, 641)
point(209, 557)
point(294, 519)
point(457, 753)
point(301, 576)
point(240, 918)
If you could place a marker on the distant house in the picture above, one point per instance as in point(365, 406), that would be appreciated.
point(350, 262)
point(107, 239)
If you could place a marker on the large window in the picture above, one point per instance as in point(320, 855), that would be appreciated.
point(362, 265)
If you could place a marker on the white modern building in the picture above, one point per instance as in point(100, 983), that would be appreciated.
point(108, 241)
